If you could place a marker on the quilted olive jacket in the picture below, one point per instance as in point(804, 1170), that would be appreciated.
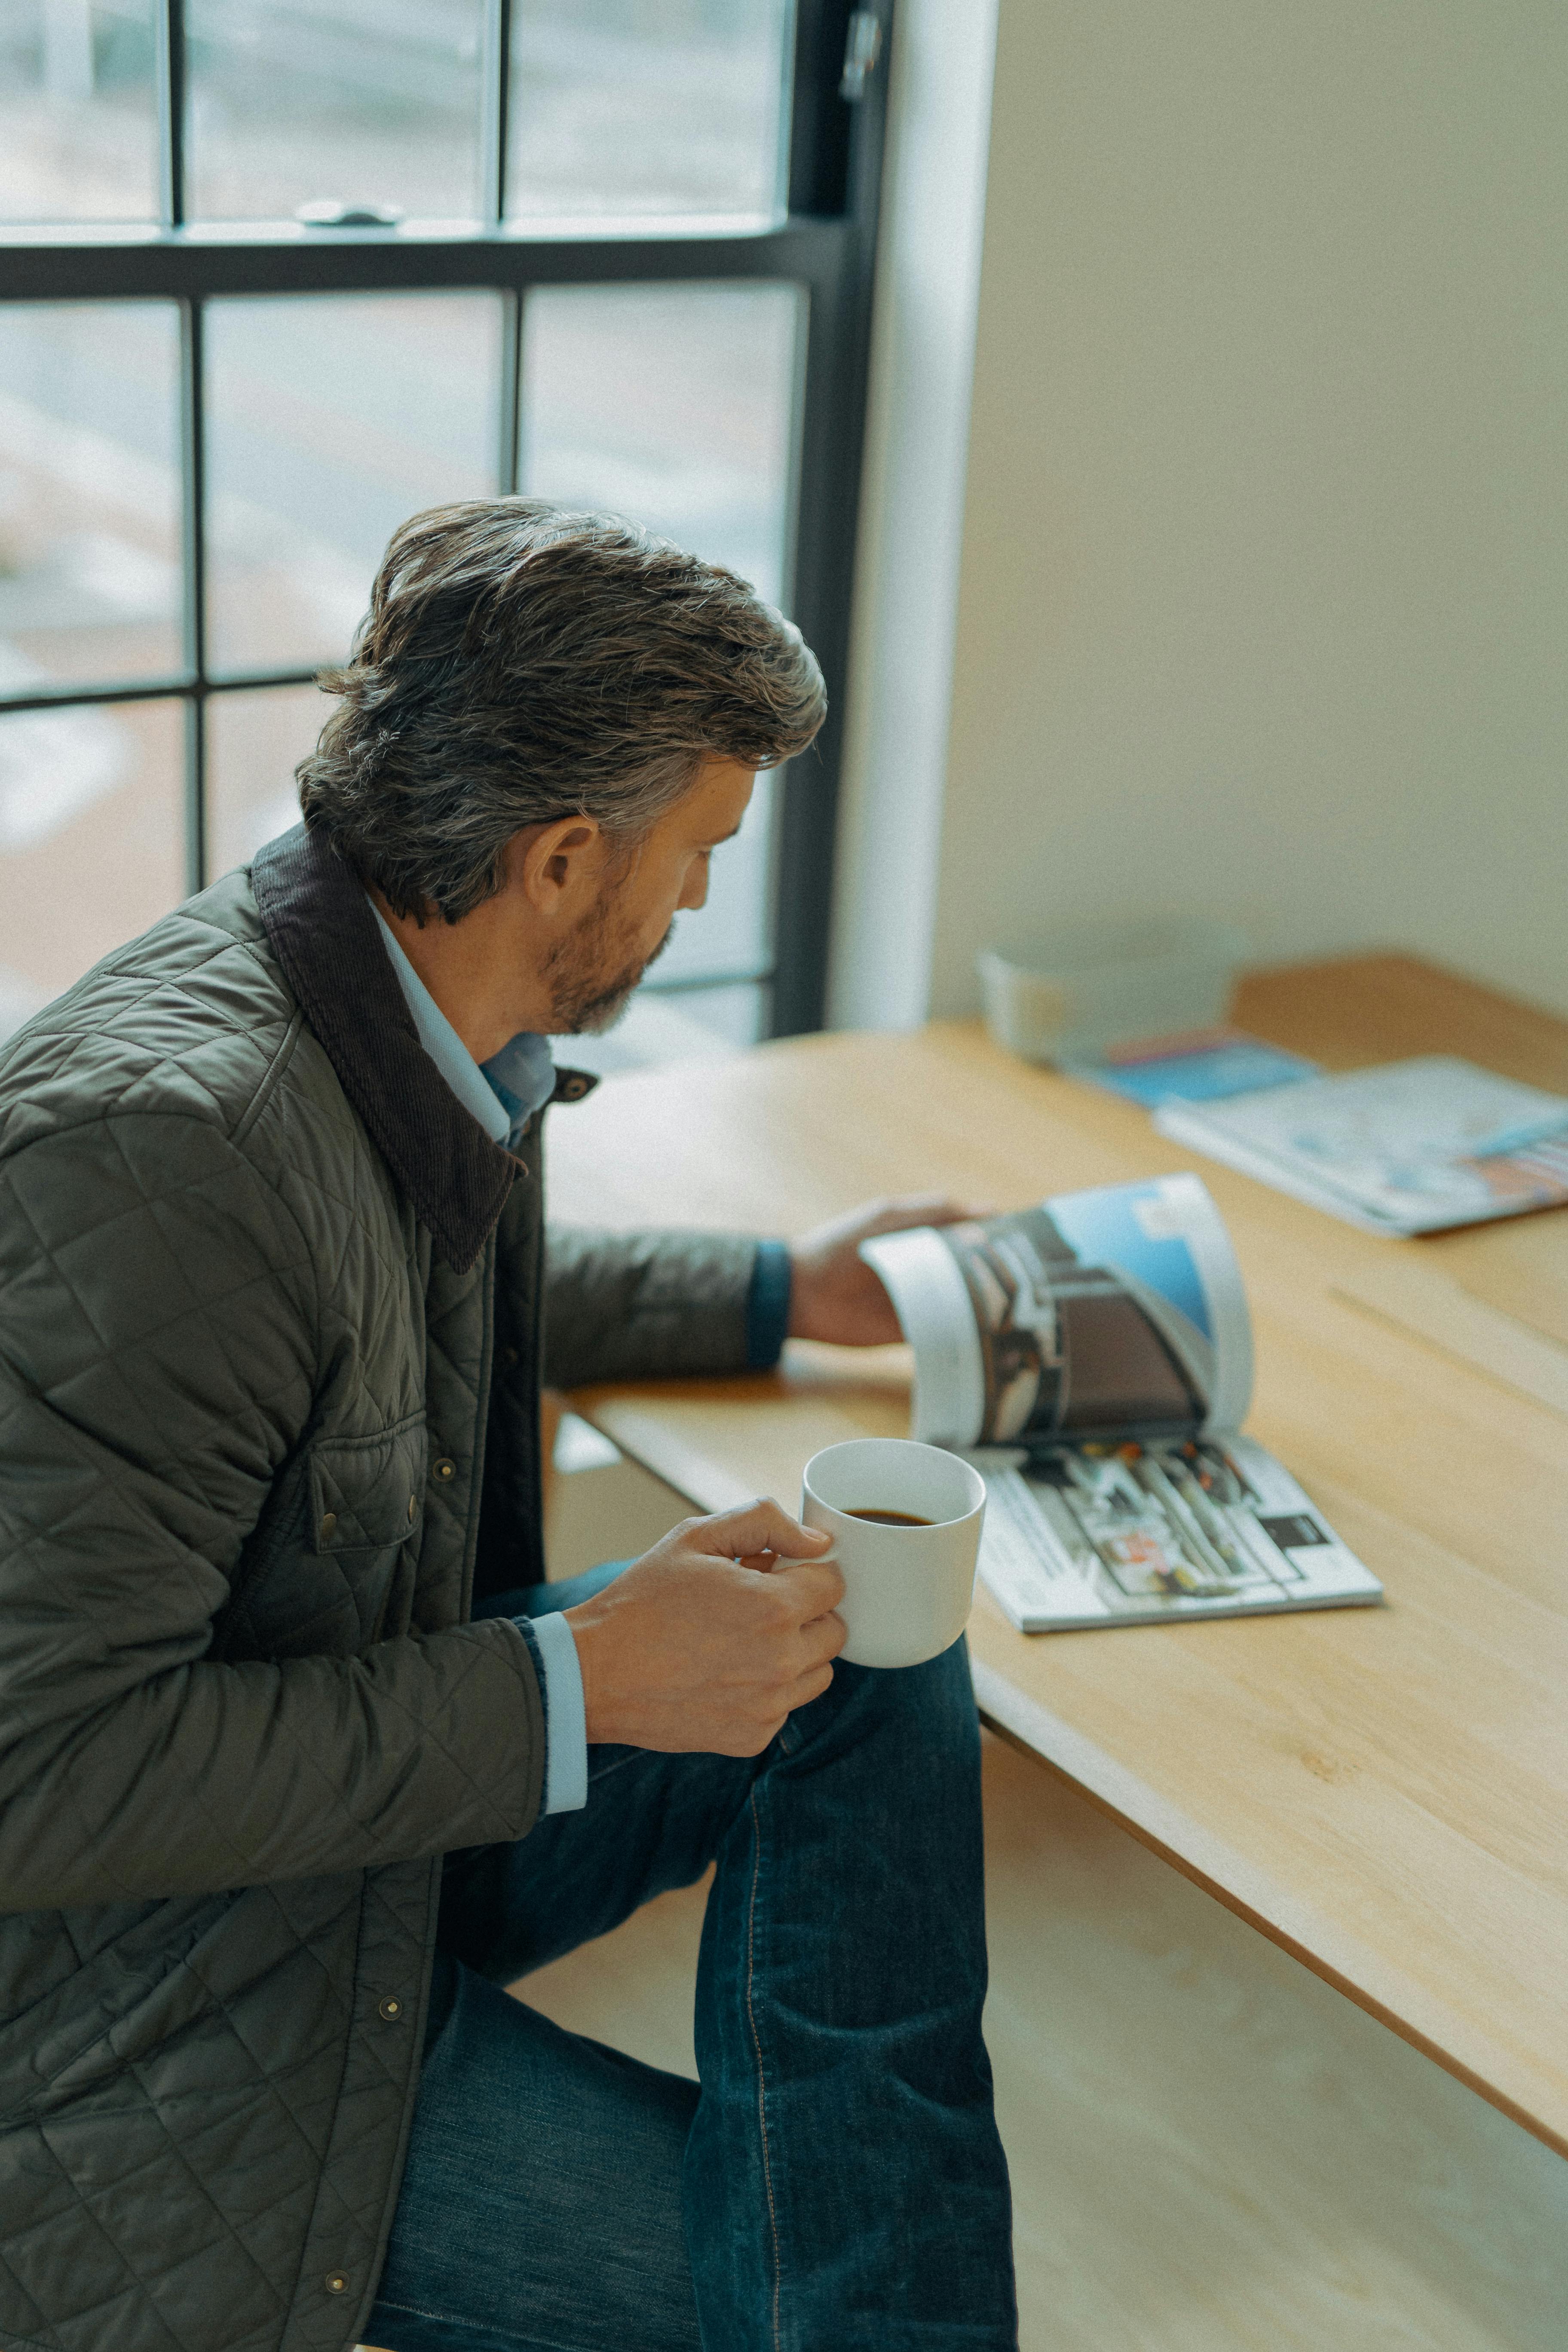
point(272, 1308)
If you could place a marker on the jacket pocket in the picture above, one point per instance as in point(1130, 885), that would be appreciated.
point(98, 2011)
point(334, 1567)
point(367, 1492)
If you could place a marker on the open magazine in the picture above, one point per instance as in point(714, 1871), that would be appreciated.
point(1093, 1358)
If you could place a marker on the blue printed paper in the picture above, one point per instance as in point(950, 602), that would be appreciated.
point(1205, 1069)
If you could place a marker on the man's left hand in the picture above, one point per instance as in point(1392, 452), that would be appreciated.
point(834, 1294)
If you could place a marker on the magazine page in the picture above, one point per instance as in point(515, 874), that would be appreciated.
point(1117, 1312)
point(1140, 1535)
point(1404, 1147)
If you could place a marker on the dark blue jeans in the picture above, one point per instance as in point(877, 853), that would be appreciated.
point(836, 2184)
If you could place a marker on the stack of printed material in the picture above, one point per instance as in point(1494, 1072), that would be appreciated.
point(1196, 1066)
point(1404, 1147)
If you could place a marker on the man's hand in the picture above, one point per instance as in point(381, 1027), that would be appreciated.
point(708, 1642)
point(835, 1295)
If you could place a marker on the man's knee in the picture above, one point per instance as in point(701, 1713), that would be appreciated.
point(942, 1696)
point(927, 1711)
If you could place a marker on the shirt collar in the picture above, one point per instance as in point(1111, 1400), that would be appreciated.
point(503, 1092)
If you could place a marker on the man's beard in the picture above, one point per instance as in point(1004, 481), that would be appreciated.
point(591, 976)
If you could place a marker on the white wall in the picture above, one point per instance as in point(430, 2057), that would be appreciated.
point(1264, 586)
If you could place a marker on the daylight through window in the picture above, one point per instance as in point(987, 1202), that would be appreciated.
point(273, 277)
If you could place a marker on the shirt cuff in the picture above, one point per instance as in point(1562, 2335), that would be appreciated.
point(767, 1305)
point(565, 1719)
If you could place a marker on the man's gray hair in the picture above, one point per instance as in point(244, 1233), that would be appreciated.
point(521, 663)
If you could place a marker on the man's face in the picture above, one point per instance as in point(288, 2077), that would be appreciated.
point(592, 972)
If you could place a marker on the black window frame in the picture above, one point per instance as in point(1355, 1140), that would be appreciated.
point(825, 245)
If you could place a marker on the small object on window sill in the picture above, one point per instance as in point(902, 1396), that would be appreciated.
point(330, 211)
point(1084, 987)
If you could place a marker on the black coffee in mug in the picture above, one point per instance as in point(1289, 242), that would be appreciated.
point(906, 1597)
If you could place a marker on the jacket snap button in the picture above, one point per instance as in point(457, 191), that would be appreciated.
point(336, 2282)
point(390, 2008)
point(413, 1508)
point(446, 1470)
point(329, 1525)
point(509, 1357)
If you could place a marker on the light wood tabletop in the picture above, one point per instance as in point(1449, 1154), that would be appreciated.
point(1384, 1792)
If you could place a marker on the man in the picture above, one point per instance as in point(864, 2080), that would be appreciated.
point(299, 1764)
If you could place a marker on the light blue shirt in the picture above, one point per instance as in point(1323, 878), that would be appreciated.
point(502, 1094)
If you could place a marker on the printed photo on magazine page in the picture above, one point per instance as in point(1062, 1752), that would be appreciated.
point(1115, 1311)
point(1134, 1534)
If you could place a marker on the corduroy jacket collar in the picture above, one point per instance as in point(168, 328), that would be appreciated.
point(315, 912)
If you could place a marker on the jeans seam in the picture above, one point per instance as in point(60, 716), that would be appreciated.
point(757, 2046)
point(476, 2326)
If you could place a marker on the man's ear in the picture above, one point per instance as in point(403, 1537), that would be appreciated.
point(556, 865)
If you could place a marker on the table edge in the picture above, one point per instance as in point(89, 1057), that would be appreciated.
point(1210, 1865)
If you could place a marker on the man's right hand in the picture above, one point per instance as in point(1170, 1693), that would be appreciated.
point(707, 1642)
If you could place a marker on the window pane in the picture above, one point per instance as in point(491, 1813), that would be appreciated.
point(91, 839)
point(293, 103)
point(732, 934)
point(331, 419)
point(676, 404)
point(254, 743)
point(78, 111)
point(698, 1025)
point(730, 1016)
point(648, 106)
point(89, 490)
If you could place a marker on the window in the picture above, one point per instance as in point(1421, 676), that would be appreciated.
point(274, 274)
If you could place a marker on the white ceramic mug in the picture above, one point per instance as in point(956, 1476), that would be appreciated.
point(907, 1589)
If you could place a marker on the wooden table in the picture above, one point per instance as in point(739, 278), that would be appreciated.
point(1384, 1792)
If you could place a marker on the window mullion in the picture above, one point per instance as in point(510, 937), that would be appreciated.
point(193, 536)
point(496, 98)
point(172, 110)
point(841, 171)
point(511, 302)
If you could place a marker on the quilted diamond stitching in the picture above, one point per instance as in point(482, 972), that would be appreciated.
point(320, 1229)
